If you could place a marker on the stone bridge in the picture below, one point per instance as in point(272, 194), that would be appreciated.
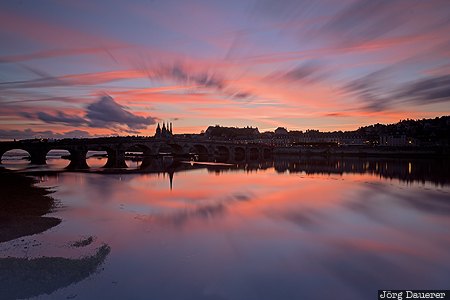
point(117, 147)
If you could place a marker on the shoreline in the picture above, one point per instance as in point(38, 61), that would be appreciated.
point(363, 151)
point(23, 208)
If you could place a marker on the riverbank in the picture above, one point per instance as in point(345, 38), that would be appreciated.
point(22, 207)
point(361, 151)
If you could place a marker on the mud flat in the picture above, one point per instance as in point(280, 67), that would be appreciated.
point(23, 206)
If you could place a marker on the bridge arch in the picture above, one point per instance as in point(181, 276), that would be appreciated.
point(170, 149)
point(177, 149)
point(15, 158)
point(199, 149)
point(58, 157)
point(222, 153)
point(96, 158)
point(101, 156)
point(137, 155)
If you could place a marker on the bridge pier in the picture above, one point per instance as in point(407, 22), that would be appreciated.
point(231, 155)
point(248, 154)
point(266, 153)
point(147, 161)
point(78, 160)
point(260, 154)
point(2, 151)
point(38, 156)
point(221, 154)
point(238, 153)
point(116, 159)
point(254, 153)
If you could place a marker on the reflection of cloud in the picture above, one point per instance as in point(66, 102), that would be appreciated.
point(306, 218)
point(179, 218)
point(301, 218)
point(425, 201)
point(103, 187)
point(204, 211)
point(363, 269)
point(242, 197)
point(429, 201)
point(25, 278)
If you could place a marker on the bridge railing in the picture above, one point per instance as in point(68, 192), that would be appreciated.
point(129, 140)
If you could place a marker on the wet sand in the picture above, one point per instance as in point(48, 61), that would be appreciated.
point(22, 207)
point(24, 278)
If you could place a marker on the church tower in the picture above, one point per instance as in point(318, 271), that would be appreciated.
point(165, 131)
point(158, 132)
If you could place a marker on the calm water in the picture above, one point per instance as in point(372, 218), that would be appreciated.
point(297, 229)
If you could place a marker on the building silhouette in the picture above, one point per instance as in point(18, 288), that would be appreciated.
point(165, 132)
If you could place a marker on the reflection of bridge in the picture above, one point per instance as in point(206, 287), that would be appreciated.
point(435, 170)
point(150, 147)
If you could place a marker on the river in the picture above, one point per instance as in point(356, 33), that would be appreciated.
point(310, 228)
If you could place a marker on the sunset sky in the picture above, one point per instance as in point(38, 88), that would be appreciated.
point(79, 68)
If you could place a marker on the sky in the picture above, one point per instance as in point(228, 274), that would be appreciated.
point(95, 68)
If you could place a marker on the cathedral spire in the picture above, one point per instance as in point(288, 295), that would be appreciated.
point(158, 131)
point(164, 131)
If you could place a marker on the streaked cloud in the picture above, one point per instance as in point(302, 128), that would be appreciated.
point(73, 80)
point(308, 72)
point(54, 53)
point(373, 91)
point(427, 90)
point(198, 79)
point(263, 63)
point(60, 117)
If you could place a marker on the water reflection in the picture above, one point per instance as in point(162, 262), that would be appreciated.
point(312, 228)
point(409, 170)
point(204, 211)
point(436, 170)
